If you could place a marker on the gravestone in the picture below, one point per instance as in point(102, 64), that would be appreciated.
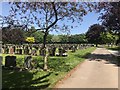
point(73, 49)
point(6, 50)
point(42, 52)
point(34, 52)
point(60, 51)
point(14, 49)
point(52, 50)
point(26, 50)
point(20, 51)
point(10, 61)
point(27, 62)
point(17, 51)
point(11, 50)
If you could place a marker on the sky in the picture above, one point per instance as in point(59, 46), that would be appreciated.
point(88, 20)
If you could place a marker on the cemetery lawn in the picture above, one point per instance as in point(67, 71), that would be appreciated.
point(39, 79)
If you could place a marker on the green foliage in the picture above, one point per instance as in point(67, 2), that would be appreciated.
point(55, 38)
point(38, 35)
point(49, 38)
point(107, 37)
point(63, 38)
point(20, 62)
point(30, 31)
point(37, 62)
point(77, 38)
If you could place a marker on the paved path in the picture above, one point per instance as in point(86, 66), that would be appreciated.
point(99, 71)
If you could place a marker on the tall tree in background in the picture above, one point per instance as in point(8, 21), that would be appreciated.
point(46, 15)
point(77, 38)
point(93, 34)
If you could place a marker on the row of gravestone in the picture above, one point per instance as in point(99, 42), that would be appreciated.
point(37, 50)
point(10, 61)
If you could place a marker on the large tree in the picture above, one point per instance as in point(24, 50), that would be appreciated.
point(12, 36)
point(110, 16)
point(46, 15)
point(93, 34)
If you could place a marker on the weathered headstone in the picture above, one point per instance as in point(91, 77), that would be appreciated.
point(10, 61)
point(6, 50)
point(60, 51)
point(73, 49)
point(52, 50)
point(42, 52)
point(11, 50)
point(20, 51)
point(26, 50)
point(14, 49)
point(34, 52)
point(27, 62)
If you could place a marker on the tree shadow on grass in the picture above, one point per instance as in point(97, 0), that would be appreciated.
point(23, 80)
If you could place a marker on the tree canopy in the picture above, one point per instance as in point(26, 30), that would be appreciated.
point(93, 34)
point(111, 15)
point(13, 36)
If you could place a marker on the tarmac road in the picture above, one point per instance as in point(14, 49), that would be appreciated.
point(98, 71)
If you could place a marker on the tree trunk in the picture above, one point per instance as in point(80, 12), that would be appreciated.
point(45, 56)
point(45, 62)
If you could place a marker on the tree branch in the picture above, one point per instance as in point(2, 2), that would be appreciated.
point(56, 18)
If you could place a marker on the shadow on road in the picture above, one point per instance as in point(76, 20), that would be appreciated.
point(99, 57)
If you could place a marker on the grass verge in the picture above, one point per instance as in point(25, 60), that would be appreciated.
point(38, 79)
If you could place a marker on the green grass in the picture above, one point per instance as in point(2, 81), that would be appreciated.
point(38, 79)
